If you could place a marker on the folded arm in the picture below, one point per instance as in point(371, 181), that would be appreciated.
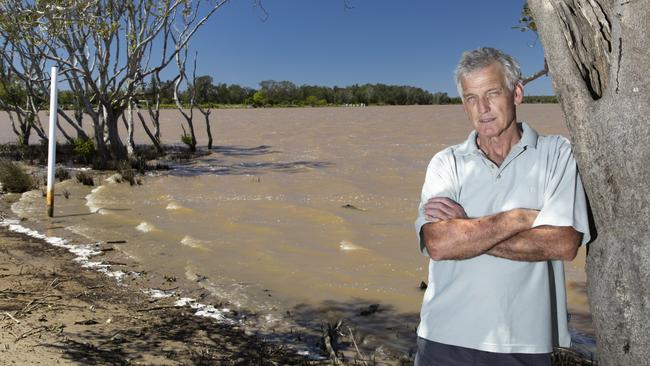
point(539, 244)
point(451, 235)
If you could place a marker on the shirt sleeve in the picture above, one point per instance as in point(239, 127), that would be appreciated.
point(564, 203)
point(439, 181)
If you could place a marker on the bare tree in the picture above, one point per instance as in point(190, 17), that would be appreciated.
point(188, 139)
point(205, 111)
point(153, 109)
point(104, 48)
point(598, 54)
point(20, 94)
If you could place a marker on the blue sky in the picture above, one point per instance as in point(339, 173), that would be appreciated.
point(320, 42)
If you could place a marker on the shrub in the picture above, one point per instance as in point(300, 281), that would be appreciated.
point(85, 179)
point(62, 174)
point(14, 178)
point(85, 148)
point(127, 173)
point(187, 140)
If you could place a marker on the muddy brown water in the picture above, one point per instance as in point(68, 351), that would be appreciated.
point(295, 208)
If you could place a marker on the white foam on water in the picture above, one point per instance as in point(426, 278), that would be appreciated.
point(194, 242)
point(82, 252)
point(145, 227)
point(113, 179)
point(208, 311)
point(173, 206)
point(348, 245)
point(155, 293)
point(91, 200)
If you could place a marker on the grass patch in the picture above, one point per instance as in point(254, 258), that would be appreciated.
point(14, 178)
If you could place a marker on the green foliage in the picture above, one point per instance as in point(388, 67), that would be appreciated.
point(84, 148)
point(286, 93)
point(526, 22)
point(540, 99)
point(315, 102)
point(441, 98)
point(187, 140)
point(259, 98)
point(14, 178)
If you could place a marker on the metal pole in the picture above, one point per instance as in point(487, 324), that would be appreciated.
point(51, 156)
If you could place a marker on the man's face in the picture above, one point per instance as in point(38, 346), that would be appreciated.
point(488, 102)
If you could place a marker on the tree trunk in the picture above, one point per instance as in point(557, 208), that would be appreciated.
point(25, 132)
point(209, 130)
point(130, 143)
point(118, 151)
point(206, 114)
point(598, 54)
point(155, 136)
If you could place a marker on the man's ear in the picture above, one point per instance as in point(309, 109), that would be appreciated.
point(519, 93)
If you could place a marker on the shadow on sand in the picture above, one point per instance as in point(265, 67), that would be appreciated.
point(381, 334)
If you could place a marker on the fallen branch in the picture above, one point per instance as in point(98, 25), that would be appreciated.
point(35, 303)
point(7, 291)
point(158, 308)
point(31, 332)
point(112, 263)
point(11, 316)
point(362, 357)
point(329, 339)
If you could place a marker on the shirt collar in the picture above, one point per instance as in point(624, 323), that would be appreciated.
point(528, 139)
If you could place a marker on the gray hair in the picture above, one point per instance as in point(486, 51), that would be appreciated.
point(483, 57)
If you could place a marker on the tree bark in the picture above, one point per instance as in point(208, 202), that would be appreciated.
point(130, 143)
point(598, 54)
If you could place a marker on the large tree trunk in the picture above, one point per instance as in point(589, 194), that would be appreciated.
point(598, 54)
point(118, 151)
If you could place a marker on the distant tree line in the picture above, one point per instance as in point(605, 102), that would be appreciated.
point(285, 93)
point(277, 93)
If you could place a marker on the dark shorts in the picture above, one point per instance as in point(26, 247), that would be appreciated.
point(431, 353)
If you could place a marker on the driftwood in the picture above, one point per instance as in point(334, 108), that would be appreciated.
point(162, 307)
point(11, 316)
point(362, 357)
point(329, 342)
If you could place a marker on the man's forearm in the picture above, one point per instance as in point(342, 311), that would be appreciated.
point(467, 238)
point(539, 244)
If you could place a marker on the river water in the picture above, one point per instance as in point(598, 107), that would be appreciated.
point(309, 209)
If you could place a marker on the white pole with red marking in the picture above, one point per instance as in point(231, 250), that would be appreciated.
point(51, 155)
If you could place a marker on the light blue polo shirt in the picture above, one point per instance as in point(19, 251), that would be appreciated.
point(494, 304)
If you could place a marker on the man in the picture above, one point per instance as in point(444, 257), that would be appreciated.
point(499, 213)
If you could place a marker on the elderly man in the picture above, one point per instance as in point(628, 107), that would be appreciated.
point(499, 214)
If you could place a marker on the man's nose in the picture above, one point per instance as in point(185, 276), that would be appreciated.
point(483, 105)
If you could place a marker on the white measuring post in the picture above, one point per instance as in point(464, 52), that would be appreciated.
point(51, 155)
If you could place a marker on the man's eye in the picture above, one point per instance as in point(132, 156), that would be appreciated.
point(494, 93)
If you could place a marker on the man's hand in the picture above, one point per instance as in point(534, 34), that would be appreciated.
point(442, 208)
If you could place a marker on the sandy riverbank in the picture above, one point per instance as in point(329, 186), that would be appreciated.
point(54, 311)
